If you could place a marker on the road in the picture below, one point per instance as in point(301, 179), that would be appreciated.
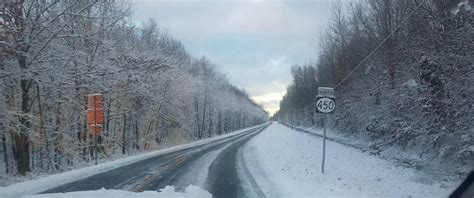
point(179, 169)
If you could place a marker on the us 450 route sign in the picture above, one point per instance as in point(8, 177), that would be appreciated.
point(325, 100)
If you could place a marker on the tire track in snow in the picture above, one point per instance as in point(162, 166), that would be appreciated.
point(223, 179)
point(254, 187)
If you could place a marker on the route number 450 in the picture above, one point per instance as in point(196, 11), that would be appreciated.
point(325, 105)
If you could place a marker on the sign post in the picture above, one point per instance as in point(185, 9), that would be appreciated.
point(95, 118)
point(324, 143)
point(325, 104)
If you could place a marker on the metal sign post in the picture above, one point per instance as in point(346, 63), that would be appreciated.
point(95, 134)
point(95, 119)
point(325, 104)
point(324, 143)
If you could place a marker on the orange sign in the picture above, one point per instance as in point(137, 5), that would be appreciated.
point(95, 113)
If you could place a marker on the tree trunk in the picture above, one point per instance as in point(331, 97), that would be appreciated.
point(3, 131)
point(107, 117)
point(57, 137)
point(137, 136)
point(5, 152)
point(203, 115)
point(43, 130)
point(124, 134)
point(196, 111)
point(22, 146)
point(219, 124)
point(209, 131)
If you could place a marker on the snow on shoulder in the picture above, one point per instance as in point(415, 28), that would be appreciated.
point(168, 192)
point(287, 163)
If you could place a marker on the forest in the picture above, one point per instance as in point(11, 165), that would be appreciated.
point(403, 74)
point(155, 94)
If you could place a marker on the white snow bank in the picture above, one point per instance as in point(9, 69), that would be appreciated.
point(44, 183)
point(287, 163)
point(167, 192)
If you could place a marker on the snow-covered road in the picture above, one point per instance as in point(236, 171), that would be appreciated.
point(272, 161)
point(182, 167)
point(287, 163)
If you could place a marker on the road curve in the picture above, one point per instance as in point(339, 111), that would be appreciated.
point(169, 169)
point(223, 180)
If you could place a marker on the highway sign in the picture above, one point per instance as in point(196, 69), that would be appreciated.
point(95, 113)
point(325, 105)
point(325, 92)
point(325, 100)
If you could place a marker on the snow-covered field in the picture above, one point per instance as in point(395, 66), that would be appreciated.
point(287, 163)
point(435, 166)
point(47, 182)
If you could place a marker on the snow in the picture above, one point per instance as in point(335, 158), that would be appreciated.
point(41, 184)
point(167, 192)
point(287, 163)
point(442, 170)
point(199, 170)
point(410, 83)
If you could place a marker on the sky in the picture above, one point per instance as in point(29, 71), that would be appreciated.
point(253, 42)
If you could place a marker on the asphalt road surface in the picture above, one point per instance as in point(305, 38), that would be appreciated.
point(175, 168)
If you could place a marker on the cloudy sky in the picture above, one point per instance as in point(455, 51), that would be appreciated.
point(254, 42)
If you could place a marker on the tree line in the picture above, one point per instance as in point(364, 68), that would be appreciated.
point(413, 92)
point(54, 53)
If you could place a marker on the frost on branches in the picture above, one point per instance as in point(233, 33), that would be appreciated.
point(54, 53)
point(413, 95)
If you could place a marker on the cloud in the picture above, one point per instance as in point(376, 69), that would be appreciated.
point(208, 18)
point(270, 101)
point(258, 78)
point(269, 97)
point(267, 83)
point(254, 42)
point(265, 17)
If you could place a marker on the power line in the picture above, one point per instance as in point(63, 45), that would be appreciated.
point(364, 60)
point(303, 108)
point(373, 51)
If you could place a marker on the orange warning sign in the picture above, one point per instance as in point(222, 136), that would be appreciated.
point(95, 113)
